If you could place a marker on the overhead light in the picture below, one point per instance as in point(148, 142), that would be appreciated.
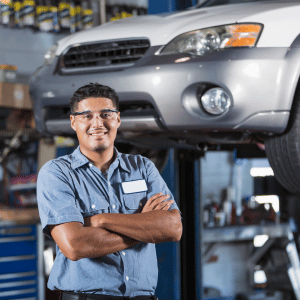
point(260, 277)
point(261, 172)
point(260, 240)
point(271, 199)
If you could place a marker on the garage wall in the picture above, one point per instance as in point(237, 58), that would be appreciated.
point(25, 49)
point(216, 168)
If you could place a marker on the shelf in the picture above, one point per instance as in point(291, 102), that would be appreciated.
point(244, 232)
point(19, 187)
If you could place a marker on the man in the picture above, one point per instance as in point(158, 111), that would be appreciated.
point(105, 210)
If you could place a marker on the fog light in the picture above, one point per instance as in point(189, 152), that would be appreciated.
point(216, 101)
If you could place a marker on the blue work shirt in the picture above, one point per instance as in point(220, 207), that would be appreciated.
point(70, 188)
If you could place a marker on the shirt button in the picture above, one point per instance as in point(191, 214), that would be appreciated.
point(113, 206)
point(123, 253)
point(93, 206)
point(90, 164)
point(127, 278)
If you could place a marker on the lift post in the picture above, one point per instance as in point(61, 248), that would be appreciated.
point(180, 275)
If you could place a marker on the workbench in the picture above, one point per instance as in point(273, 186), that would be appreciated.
point(230, 258)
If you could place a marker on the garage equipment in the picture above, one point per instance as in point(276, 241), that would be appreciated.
point(21, 261)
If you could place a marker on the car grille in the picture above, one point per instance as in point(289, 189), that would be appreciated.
point(104, 55)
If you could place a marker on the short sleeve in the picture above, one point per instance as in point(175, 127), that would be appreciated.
point(156, 184)
point(56, 197)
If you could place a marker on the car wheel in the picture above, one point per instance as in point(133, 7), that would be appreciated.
point(283, 151)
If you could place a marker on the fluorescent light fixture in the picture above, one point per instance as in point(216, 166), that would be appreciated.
point(261, 172)
point(260, 240)
point(272, 199)
point(260, 277)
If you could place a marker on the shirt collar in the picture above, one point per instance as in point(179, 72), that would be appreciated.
point(79, 160)
point(122, 163)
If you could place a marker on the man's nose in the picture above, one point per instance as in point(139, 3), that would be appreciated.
point(97, 119)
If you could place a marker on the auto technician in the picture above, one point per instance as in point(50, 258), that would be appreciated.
point(104, 209)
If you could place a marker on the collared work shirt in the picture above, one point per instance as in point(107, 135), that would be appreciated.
point(70, 188)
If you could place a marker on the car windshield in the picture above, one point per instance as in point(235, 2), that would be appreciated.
point(210, 3)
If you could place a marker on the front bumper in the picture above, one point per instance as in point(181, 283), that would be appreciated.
point(260, 81)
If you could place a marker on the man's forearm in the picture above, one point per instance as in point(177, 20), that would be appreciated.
point(76, 241)
point(150, 227)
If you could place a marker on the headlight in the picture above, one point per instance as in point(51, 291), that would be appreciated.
point(200, 42)
point(50, 55)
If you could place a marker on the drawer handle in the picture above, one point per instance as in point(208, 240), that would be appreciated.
point(15, 231)
point(17, 239)
point(17, 275)
point(17, 292)
point(17, 283)
point(16, 258)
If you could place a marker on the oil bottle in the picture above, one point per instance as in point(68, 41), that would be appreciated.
point(28, 13)
point(87, 15)
point(64, 15)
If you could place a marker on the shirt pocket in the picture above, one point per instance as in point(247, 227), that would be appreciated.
point(134, 202)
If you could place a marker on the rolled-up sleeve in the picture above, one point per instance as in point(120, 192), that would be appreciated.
point(156, 184)
point(56, 197)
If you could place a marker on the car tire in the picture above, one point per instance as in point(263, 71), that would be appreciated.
point(283, 152)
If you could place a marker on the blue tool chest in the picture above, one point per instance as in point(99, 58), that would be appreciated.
point(21, 262)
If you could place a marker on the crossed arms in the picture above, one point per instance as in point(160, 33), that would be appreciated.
point(104, 234)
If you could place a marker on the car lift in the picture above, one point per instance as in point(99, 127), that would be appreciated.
point(180, 271)
point(180, 263)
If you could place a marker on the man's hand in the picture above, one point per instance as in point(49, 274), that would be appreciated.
point(93, 221)
point(157, 202)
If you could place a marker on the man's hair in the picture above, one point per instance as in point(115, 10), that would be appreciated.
point(93, 90)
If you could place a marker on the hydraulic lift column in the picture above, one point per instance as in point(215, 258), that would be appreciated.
point(180, 272)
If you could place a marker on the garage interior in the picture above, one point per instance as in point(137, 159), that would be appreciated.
point(240, 226)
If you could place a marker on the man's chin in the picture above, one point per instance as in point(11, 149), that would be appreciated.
point(101, 147)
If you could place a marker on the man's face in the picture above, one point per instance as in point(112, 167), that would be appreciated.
point(94, 130)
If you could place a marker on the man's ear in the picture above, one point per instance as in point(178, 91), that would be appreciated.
point(72, 118)
point(118, 119)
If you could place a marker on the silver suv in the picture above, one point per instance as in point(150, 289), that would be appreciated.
point(220, 73)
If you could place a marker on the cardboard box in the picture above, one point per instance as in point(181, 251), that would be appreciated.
point(19, 214)
point(15, 95)
point(8, 73)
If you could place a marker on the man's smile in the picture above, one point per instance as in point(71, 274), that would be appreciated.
point(99, 133)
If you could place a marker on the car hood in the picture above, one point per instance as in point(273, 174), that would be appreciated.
point(162, 28)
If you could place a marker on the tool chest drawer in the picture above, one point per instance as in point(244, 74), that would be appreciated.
point(21, 267)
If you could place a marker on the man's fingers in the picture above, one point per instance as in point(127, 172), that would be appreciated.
point(159, 200)
point(151, 199)
point(164, 205)
point(156, 199)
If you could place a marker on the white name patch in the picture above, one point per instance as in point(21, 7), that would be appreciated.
point(134, 186)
